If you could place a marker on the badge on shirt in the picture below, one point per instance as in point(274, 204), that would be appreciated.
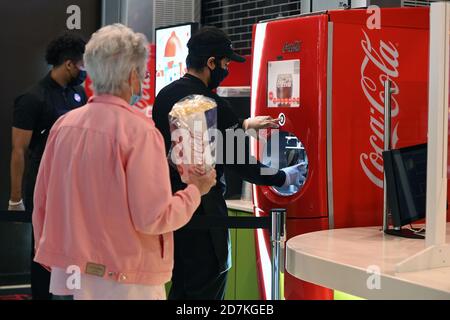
point(94, 269)
point(77, 97)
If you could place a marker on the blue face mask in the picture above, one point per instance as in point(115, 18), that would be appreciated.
point(135, 97)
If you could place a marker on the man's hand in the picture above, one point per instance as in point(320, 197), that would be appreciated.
point(261, 122)
point(295, 175)
point(16, 206)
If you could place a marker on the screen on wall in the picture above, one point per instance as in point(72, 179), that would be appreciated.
point(171, 53)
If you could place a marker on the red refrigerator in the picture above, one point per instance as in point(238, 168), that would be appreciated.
point(323, 74)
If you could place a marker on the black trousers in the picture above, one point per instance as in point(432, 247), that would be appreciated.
point(196, 274)
point(40, 277)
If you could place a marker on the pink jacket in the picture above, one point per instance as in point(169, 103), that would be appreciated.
point(103, 199)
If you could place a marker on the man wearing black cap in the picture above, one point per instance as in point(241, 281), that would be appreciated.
point(202, 257)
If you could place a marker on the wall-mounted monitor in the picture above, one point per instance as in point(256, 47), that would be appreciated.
point(171, 53)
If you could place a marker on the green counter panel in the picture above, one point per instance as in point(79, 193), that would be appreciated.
point(230, 293)
point(242, 279)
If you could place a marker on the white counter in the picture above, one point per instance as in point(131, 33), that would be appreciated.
point(240, 205)
point(348, 260)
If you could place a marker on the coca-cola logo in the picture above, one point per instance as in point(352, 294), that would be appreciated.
point(146, 95)
point(145, 103)
point(290, 47)
point(379, 64)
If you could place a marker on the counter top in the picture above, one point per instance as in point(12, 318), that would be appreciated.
point(361, 262)
point(240, 205)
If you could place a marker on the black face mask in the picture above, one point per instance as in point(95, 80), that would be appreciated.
point(78, 80)
point(217, 76)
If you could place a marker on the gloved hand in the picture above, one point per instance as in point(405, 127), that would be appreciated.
point(295, 175)
point(302, 166)
point(16, 206)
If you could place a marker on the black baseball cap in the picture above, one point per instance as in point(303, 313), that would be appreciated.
point(213, 42)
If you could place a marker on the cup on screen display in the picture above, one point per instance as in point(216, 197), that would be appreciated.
point(284, 90)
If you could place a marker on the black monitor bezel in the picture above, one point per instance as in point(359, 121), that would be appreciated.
point(392, 183)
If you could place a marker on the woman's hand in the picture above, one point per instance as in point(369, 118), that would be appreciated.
point(204, 181)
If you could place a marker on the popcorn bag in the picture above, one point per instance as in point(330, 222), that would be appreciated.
point(193, 123)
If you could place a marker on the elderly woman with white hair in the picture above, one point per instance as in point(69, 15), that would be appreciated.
point(104, 212)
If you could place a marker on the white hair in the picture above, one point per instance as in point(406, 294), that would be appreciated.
point(111, 55)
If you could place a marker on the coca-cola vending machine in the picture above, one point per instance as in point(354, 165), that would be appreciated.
point(324, 75)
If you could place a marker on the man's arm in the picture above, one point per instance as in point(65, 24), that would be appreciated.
point(247, 167)
point(26, 112)
point(251, 170)
point(20, 142)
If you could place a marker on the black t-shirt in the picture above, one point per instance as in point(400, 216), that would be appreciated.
point(226, 120)
point(39, 108)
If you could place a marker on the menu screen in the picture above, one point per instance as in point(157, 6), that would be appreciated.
point(283, 84)
point(171, 54)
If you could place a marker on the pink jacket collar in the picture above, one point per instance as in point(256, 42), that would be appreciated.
point(116, 101)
